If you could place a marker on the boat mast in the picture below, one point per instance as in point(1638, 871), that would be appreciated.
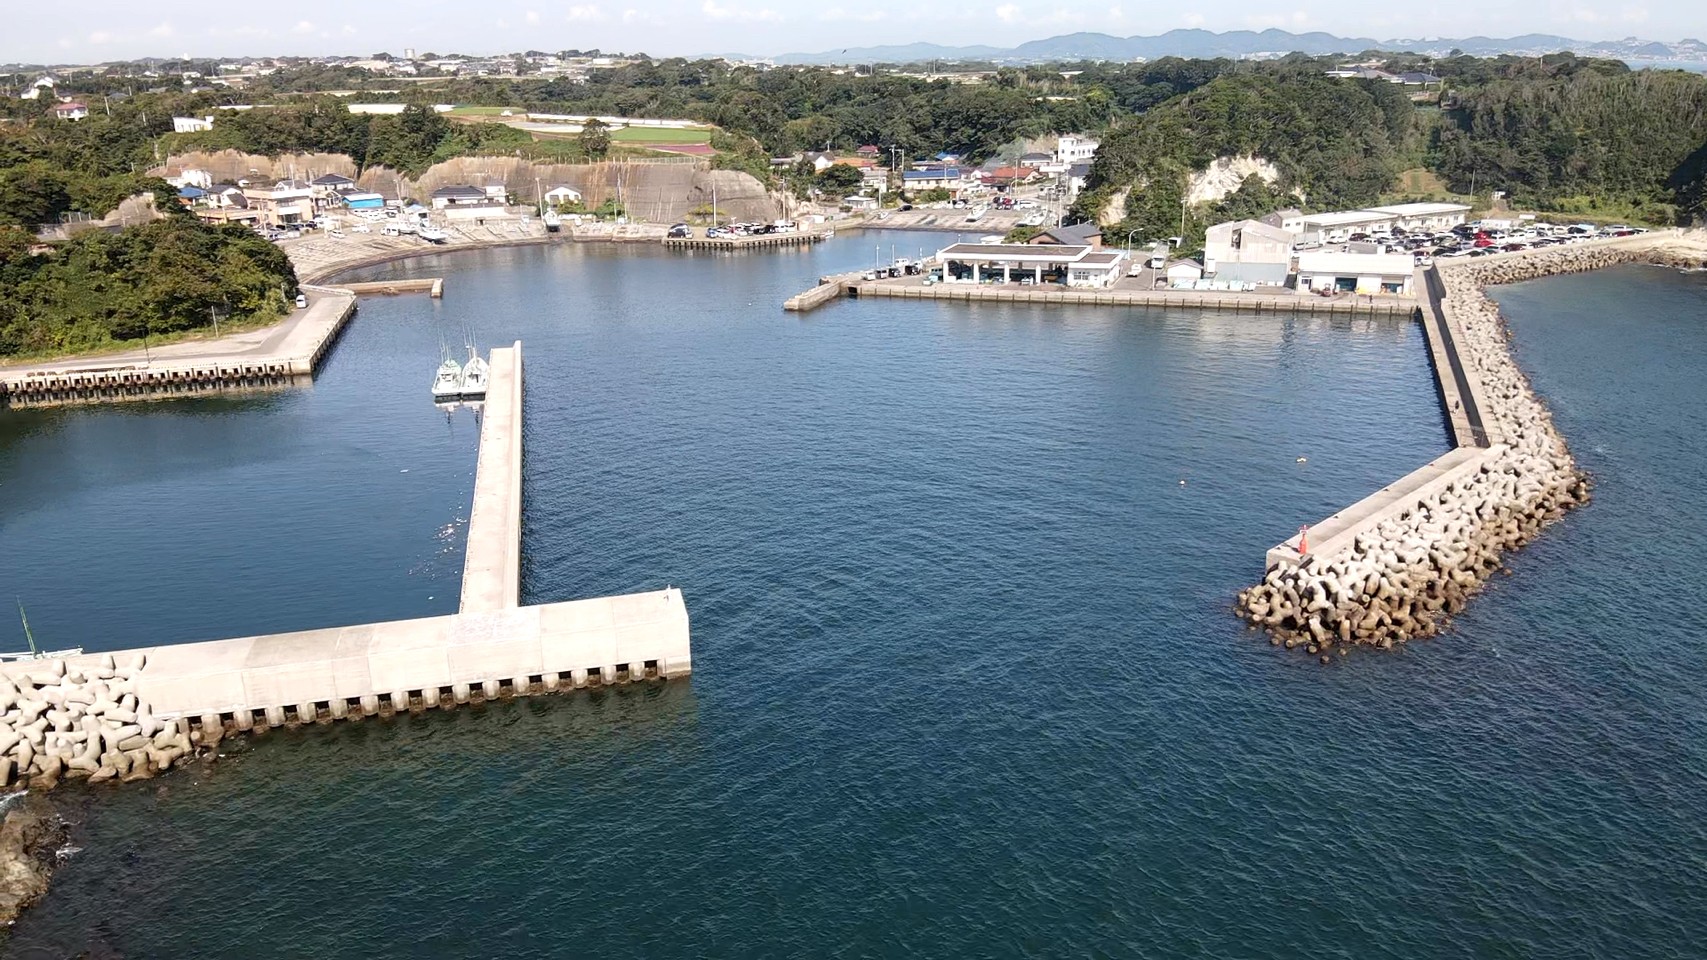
point(27, 635)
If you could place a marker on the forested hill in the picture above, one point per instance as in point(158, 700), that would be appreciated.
point(1558, 133)
point(1564, 132)
point(1335, 143)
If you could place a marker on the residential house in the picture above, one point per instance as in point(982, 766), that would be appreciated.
point(192, 124)
point(43, 83)
point(859, 203)
point(1077, 175)
point(1363, 273)
point(1078, 234)
point(820, 161)
point(283, 202)
point(1248, 251)
point(1073, 148)
point(949, 178)
point(561, 194)
point(327, 185)
point(1034, 159)
point(353, 199)
point(189, 177)
point(870, 151)
point(1004, 177)
point(70, 110)
point(458, 196)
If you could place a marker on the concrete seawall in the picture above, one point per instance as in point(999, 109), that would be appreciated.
point(133, 713)
point(1392, 567)
point(291, 355)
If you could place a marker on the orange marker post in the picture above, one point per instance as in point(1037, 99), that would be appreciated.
point(1303, 540)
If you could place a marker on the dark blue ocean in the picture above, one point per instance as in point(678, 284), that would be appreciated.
point(967, 680)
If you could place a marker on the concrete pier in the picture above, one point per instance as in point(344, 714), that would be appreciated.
point(761, 242)
point(432, 286)
point(287, 354)
point(132, 713)
point(491, 571)
point(913, 288)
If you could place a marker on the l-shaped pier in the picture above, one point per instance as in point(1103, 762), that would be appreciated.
point(492, 647)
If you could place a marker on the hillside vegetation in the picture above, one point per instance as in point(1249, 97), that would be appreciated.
point(104, 289)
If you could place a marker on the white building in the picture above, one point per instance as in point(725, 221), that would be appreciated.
point(1339, 227)
point(190, 177)
point(562, 193)
point(1425, 217)
point(287, 201)
point(191, 124)
point(1248, 251)
point(858, 203)
point(1368, 273)
point(1071, 265)
point(71, 110)
point(1073, 148)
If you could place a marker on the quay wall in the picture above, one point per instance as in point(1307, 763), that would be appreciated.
point(1392, 567)
point(109, 380)
point(913, 289)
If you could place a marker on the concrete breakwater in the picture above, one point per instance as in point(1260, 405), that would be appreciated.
point(132, 714)
point(288, 356)
point(1394, 566)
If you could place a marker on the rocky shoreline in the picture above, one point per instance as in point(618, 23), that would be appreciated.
point(1404, 574)
point(32, 836)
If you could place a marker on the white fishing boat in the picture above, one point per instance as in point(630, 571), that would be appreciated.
point(553, 222)
point(474, 375)
point(35, 653)
point(447, 384)
point(434, 235)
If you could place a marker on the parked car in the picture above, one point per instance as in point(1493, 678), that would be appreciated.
point(301, 301)
point(681, 230)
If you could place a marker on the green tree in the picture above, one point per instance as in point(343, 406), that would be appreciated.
point(595, 138)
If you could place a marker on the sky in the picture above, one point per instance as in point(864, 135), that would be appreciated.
point(99, 30)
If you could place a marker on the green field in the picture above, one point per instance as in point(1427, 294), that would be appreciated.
point(659, 135)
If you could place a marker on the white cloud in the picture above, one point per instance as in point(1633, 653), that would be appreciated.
point(715, 11)
point(839, 15)
point(101, 37)
point(302, 26)
point(1634, 14)
point(163, 30)
point(350, 30)
point(1115, 14)
point(590, 13)
point(1007, 13)
point(532, 16)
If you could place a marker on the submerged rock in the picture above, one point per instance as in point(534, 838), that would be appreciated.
point(30, 835)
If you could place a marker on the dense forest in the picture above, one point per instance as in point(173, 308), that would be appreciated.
point(103, 289)
point(1336, 144)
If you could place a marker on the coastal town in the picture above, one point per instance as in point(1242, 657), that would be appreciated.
point(1092, 384)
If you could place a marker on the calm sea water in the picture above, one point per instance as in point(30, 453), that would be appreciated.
point(967, 680)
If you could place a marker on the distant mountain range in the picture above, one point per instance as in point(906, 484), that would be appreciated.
point(1247, 43)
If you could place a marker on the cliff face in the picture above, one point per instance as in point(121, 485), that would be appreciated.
point(656, 191)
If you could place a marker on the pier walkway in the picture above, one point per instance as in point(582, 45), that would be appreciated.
point(491, 570)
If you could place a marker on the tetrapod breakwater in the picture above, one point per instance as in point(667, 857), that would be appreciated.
point(1395, 566)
